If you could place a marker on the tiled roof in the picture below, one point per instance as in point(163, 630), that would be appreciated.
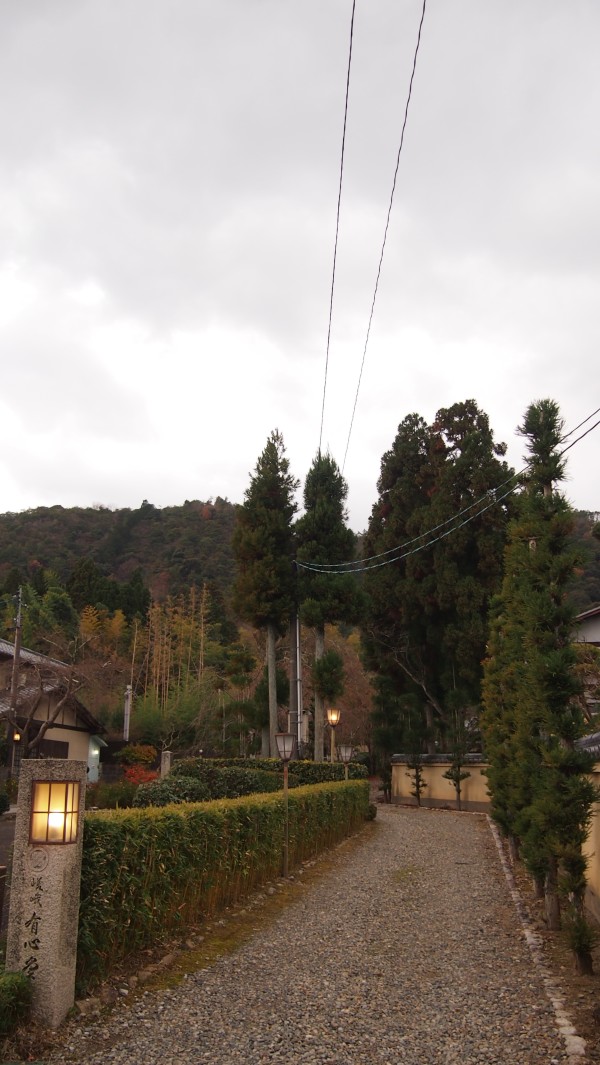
point(590, 743)
point(7, 650)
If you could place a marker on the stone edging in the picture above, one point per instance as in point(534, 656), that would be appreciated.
point(574, 1044)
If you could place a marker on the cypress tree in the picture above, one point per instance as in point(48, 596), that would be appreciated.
point(263, 549)
point(426, 625)
point(541, 792)
point(324, 538)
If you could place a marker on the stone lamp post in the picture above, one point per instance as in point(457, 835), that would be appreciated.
point(46, 878)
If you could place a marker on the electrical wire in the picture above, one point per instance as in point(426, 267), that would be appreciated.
point(337, 223)
point(387, 224)
point(573, 442)
point(574, 430)
point(359, 564)
point(486, 495)
point(420, 547)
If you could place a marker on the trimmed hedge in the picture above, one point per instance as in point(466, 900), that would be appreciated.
point(227, 781)
point(301, 772)
point(149, 873)
point(209, 785)
point(171, 790)
point(15, 999)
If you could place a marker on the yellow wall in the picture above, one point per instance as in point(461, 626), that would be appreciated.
point(592, 853)
point(79, 742)
point(439, 791)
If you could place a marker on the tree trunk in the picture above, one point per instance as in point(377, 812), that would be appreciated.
point(551, 896)
point(429, 723)
point(584, 963)
point(264, 743)
point(319, 707)
point(293, 716)
point(272, 676)
point(538, 887)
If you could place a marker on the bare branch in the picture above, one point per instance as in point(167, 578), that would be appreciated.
point(410, 671)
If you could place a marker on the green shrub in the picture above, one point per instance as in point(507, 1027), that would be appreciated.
point(119, 795)
point(318, 772)
point(4, 801)
point(300, 772)
point(227, 781)
point(137, 754)
point(171, 790)
point(15, 998)
point(193, 767)
point(149, 873)
point(271, 765)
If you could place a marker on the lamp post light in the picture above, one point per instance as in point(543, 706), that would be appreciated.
point(46, 877)
point(285, 750)
point(345, 756)
point(333, 717)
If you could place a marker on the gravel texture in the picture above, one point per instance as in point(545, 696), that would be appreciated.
point(406, 951)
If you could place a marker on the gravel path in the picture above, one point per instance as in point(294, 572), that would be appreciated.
point(407, 951)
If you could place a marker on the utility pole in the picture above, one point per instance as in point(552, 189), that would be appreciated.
point(14, 682)
point(300, 733)
point(128, 693)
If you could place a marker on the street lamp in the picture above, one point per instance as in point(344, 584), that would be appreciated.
point(285, 750)
point(345, 756)
point(333, 717)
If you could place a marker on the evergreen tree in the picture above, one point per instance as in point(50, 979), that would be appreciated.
point(263, 548)
point(426, 624)
point(538, 777)
point(324, 539)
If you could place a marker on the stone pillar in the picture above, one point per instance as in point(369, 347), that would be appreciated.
point(165, 763)
point(44, 894)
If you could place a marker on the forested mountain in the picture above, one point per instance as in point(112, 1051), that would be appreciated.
point(174, 547)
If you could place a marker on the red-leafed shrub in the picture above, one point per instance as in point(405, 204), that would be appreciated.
point(139, 774)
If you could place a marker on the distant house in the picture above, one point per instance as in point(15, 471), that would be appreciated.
point(588, 632)
point(588, 626)
point(42, 684)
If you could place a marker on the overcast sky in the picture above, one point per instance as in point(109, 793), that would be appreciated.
point(168, 187)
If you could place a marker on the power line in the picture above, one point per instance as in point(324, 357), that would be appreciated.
point(337, 223)
point(491, 495)
point(387, 224)
point(573, 442)
point(574, 430)
point(486, 495)
point(420, 547)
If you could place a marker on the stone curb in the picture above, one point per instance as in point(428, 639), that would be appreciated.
point(574, 1044)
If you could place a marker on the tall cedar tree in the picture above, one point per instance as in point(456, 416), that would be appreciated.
point(263, 548)
point(426, 627)
point(541, 793)
point(324, 538)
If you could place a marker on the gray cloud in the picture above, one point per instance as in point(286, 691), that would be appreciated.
point(184, 159)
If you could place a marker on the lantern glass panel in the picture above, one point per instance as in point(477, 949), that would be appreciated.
point(54, 811)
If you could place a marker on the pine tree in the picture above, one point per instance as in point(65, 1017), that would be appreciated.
point(541, 792)
point(263, 548)
point(324, 538)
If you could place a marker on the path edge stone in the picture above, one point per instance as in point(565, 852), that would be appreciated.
point(574, 1044)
